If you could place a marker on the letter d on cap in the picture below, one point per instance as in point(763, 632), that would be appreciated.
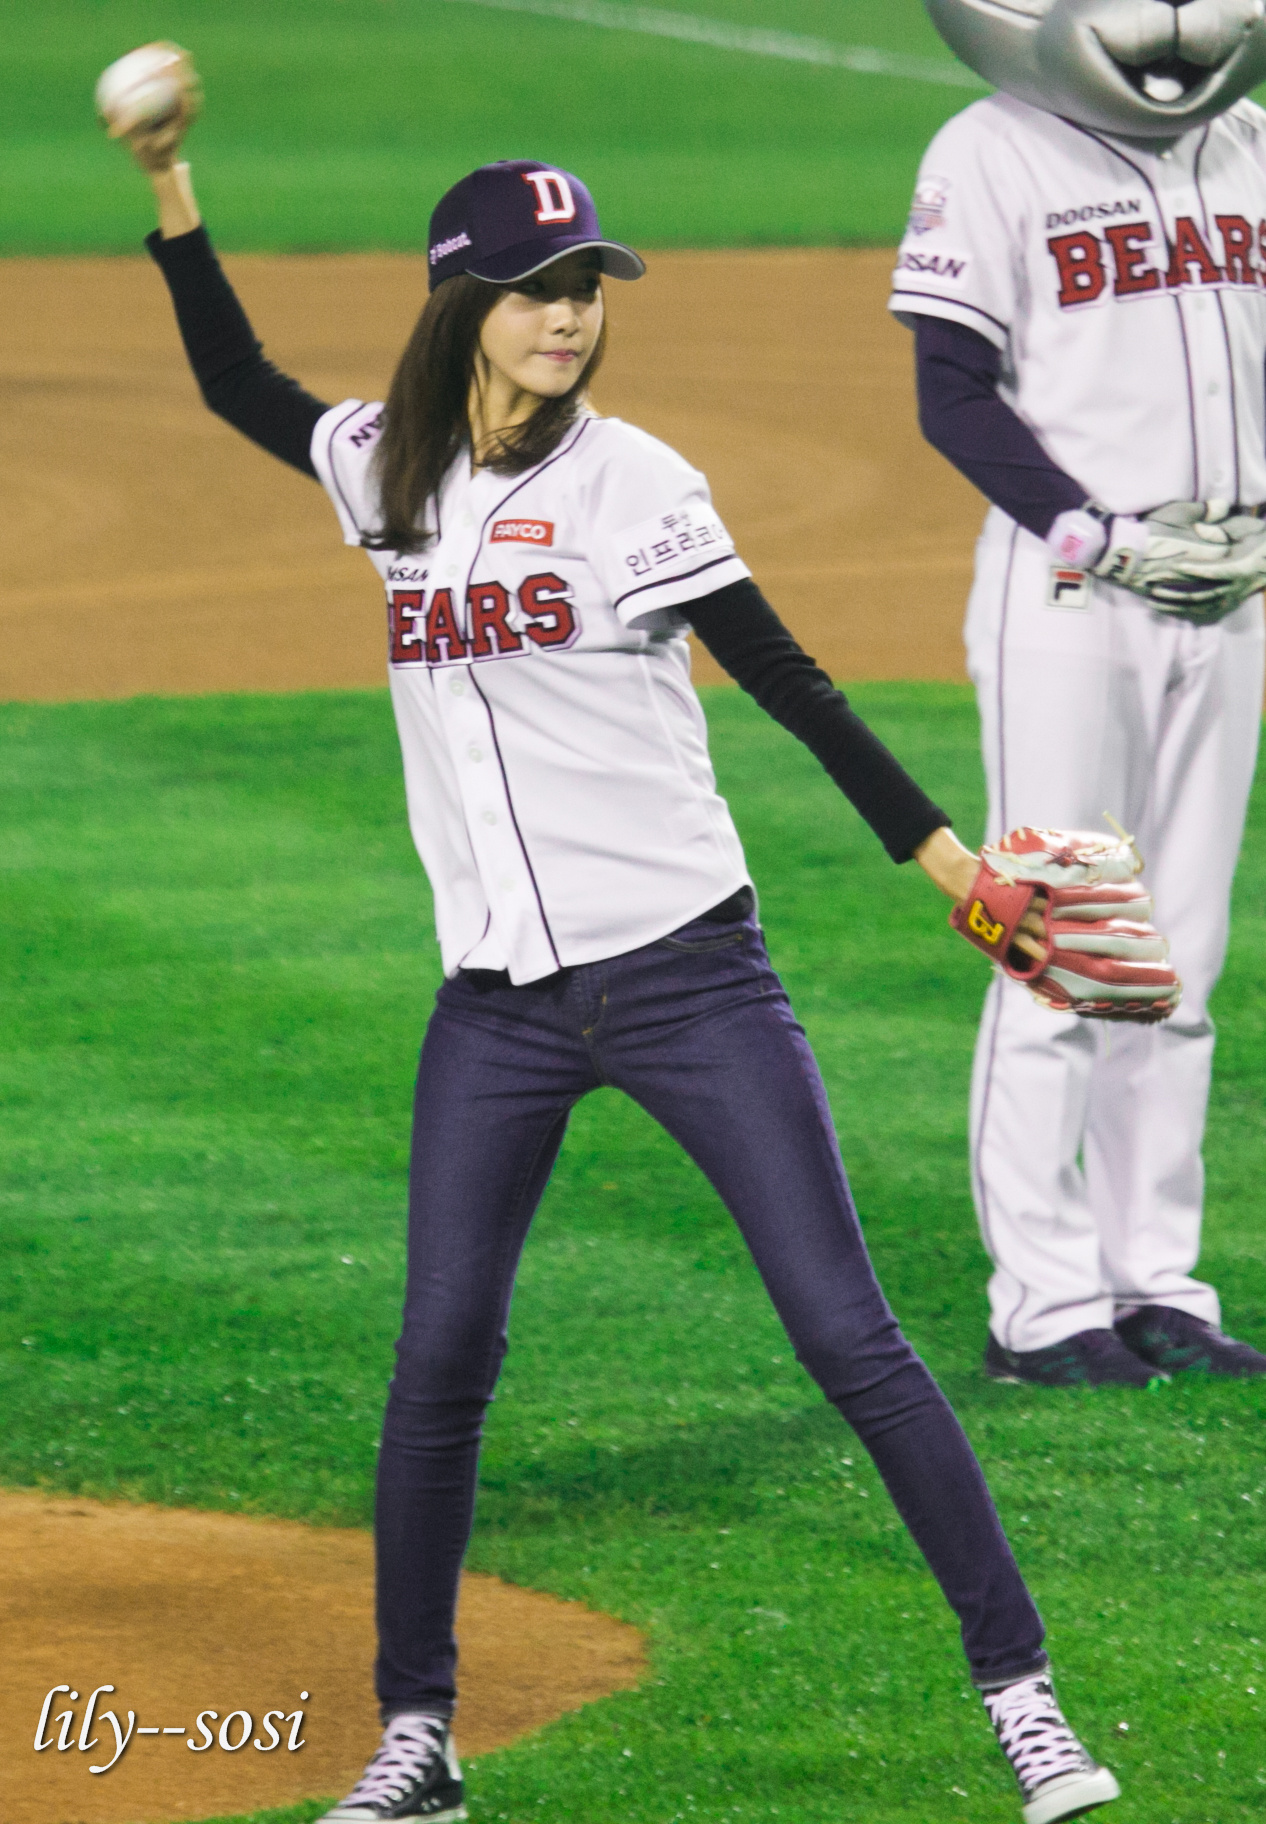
point(553, 196)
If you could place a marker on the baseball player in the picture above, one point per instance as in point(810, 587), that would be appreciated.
point(1083, 271)
point(542, 567)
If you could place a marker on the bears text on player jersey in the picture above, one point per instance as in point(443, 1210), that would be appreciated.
point(1121, 260)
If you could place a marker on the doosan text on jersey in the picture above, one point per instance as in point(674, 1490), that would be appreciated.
point(555, 756)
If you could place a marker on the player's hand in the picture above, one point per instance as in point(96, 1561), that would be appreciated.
point(1192, 559)
point(1030, 933)
point(947, 864)
point(953, 868)
point(155, 148)
point(150, 99)
point(1234, 563)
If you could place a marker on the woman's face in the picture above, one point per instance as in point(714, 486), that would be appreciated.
point(539, 337)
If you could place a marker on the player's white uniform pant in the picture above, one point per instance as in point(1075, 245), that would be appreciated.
point(1086, 1137)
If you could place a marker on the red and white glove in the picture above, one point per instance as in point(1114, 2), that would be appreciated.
point(1101, 956)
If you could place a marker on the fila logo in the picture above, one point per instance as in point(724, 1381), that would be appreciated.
point(979, 921)
point(522, 532)
point(1067, 588)
point(554, 202)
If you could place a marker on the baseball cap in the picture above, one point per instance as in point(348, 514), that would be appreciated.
point(507, 220)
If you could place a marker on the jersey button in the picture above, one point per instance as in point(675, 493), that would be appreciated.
point(457, 686)
point(1214, 389)
point(476, 753)
point(489, 816)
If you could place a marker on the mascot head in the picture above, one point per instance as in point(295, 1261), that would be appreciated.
point(1146, 69)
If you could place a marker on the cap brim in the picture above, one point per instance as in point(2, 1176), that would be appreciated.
point(514, 263)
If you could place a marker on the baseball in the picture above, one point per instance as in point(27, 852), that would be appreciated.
point(142, 89)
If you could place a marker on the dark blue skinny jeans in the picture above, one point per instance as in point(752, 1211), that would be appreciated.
point(698, 1030)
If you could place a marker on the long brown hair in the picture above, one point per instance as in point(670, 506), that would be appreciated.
point(425, 423)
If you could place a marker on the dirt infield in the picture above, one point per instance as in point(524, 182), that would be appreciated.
point(186, 1613)
point(150, 549)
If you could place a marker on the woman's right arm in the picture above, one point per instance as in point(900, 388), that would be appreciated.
point(237, 382)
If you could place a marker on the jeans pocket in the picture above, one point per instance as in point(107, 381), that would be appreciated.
point(691, 946)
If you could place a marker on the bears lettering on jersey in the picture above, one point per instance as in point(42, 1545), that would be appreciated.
point(434, 636)
point(444, 642)
point(1087, 261)
point(546, 604)
point(404, 607)
point(491, 636)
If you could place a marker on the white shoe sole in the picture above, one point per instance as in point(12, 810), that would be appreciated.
point(1070, 1796)
point(356, 1814)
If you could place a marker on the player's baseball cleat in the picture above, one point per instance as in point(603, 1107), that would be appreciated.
point(1058, 1777)
point(1179, 1343)
point(415, 1774)
point(1092, 1358)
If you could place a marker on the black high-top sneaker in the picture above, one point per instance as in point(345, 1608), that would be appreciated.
point(415, 1774)
point(1058, 1778)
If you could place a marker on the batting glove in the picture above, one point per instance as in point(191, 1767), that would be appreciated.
point(1190, 558)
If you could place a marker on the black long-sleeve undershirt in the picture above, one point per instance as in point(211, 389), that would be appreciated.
point(745, 636)
point(227, 359)
point(962, 416)
point(736, 624)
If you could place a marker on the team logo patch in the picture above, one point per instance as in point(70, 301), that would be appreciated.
point(1067, 588)
point(931, 196)
point(522, 532)
point(554, 200)
point(985, 928)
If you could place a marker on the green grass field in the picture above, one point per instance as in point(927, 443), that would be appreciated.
point(337, 123)
point(217, 962)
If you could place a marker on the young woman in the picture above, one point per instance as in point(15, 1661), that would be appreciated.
point(543, 567)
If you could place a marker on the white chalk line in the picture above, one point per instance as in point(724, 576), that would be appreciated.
point(791, 47)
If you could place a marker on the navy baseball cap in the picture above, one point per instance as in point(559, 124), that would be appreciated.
point(507, 220)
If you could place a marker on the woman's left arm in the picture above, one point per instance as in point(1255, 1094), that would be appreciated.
point(742, 632)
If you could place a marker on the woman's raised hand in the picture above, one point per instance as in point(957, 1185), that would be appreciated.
point(150, 98)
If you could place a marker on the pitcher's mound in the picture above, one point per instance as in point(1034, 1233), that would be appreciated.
point(189, 1613)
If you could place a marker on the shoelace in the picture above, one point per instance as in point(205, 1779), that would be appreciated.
point(410, 1744)
point(1033, 1734)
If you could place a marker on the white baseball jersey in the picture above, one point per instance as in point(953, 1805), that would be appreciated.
point(1125, 288)
point(1126, 291)
point(555, 754)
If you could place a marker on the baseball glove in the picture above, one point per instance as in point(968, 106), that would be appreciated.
point(1100, 955)
point(1191, 558)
